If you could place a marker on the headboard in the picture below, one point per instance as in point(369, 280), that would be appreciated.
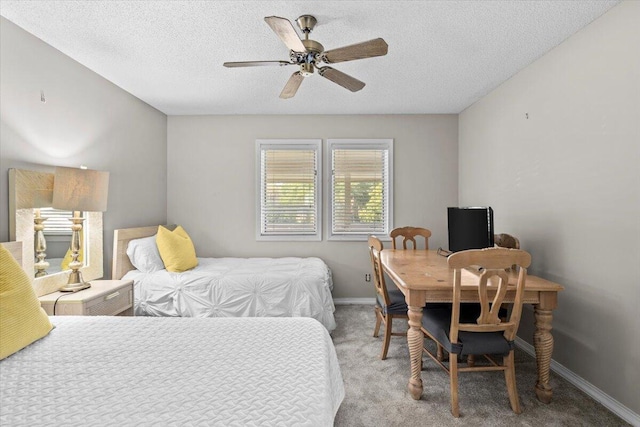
point(121, 238)
point(15, 249)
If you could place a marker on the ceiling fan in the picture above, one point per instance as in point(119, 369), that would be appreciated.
point(308, 54)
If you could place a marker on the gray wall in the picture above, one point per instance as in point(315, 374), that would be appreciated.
point(85, 120)
point(566, 181)
point(211, 190)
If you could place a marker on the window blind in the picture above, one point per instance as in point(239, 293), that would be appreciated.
point(58, 222)
point(360, 190)
point(289, 188)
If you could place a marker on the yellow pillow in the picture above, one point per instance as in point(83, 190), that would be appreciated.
point(176, 249)
point(22, 320)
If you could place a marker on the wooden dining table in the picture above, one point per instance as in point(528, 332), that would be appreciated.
point(424, 276)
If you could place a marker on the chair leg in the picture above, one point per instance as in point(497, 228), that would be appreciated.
point(510, 378)
point(378, 321)
point(505, 306)
point(387, 335)
point(453, 379)
point(441, 355)
point(439, 352)
point(471, 360)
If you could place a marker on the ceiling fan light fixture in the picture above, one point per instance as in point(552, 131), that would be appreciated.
point(306, 69)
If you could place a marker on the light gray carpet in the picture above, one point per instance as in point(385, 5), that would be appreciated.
point(376, 390)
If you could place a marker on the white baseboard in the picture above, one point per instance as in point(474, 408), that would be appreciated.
point(354, 301)
point(607, 401)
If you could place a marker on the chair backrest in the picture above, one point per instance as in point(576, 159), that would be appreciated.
point(493, 280)
point(375, 247)
point(505, 240)
point(409, 234)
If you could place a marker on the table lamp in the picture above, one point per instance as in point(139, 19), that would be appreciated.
point(40, 243)
point(35, 191)
point(79, 190)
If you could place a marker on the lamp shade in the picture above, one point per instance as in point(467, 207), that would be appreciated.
point(31, 189)
point(80, 189)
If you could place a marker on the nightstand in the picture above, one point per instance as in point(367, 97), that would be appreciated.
point(103, 298)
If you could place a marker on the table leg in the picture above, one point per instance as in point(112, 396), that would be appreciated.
point(543, 343)
point(415, 339)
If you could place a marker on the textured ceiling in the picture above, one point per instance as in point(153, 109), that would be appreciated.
point(443, 55)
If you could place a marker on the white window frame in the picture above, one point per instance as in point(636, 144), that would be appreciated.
point(289, 144)
point(359, 144)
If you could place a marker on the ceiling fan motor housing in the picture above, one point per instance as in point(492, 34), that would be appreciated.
point(308, 59)
point(313, 46)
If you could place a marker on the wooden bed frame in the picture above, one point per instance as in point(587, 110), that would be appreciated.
point(121, 239)
point(15, 249)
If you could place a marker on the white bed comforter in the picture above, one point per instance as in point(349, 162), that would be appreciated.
point(125, 371)
point(239, 287)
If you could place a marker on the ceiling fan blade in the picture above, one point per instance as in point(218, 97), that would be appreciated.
point(284, 29)
point(369, 49)
point(256, 64)
point(344, 80)
point(292, 85)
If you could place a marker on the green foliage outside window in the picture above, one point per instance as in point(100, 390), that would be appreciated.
point(291, 203)
point(363, 204)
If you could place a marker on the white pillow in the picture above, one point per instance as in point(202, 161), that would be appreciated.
point(144, 254)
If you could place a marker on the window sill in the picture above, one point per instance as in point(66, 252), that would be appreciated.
point(357, 238)
point(285, 238)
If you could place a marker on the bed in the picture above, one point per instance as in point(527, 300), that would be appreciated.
point(173, 371)
point(228, 287)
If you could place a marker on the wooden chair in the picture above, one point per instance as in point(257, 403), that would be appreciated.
point(504, 240)
point(389, 304)
point(461, 335)
point(409, 234)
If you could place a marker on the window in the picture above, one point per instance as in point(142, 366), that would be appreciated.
point(289, 190)
point(58, 222)
point(360, 202)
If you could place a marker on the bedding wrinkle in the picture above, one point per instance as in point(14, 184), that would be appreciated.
point(239, 287)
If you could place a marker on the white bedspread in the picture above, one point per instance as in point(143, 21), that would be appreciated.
point(122, 371)
point(239, 287)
